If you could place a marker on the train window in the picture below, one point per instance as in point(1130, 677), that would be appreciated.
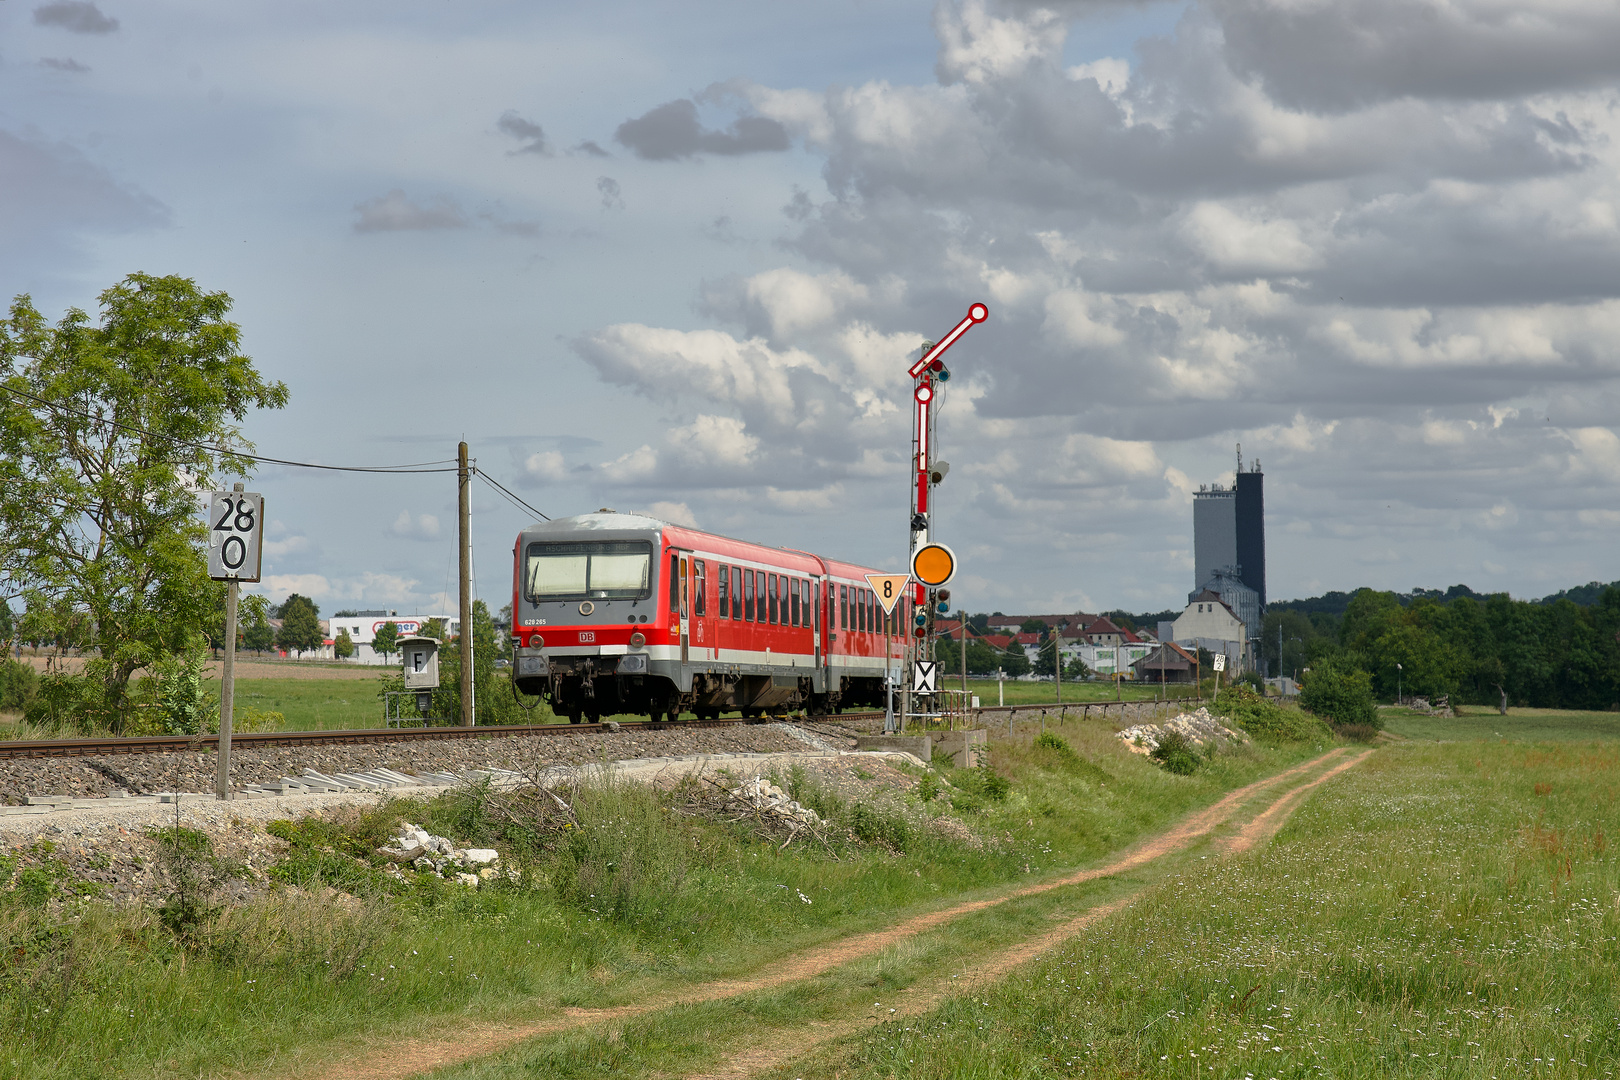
point(722, 594)
point(859, 604)
point(782, 597)
point(736, 592)
point(809, 608)
point(770, 597)
point(793, 597)
point(748, 595)
point(674, 582)
point(700, 587)
point(611, 570)
point(843, 607)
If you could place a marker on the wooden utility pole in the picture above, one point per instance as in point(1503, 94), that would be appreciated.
point(1057, 660)
point(464, 523)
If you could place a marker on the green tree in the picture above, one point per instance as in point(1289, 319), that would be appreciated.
point(259, 634)
point(343, 645)
point(300, 625)
point(493, 697)
point(1340, 693)
point(1014, 661)
point(108, 428)
point(386, 639)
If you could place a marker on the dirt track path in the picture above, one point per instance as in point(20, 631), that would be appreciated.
point(925, 996)
point(416, 1056)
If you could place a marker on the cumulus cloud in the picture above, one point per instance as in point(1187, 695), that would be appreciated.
point(677, 513)
point(1378, 243)
point(417, 527)
point(397, 212)
point(672, 131)
point(528, 132)
point(75, 16)
point(545, 467)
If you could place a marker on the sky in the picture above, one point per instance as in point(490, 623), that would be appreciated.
point(676, 259)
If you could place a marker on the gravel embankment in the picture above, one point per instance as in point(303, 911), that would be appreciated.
point(90, 777)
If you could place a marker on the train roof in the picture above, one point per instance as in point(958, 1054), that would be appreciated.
point(610, 521)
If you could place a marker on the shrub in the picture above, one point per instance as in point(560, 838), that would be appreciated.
point(978, 786)
point(1362, 733)
point(1266, 720)
point(1048, 741)
point(873, 826)
point(18, 685)
point(1340, 694)
point(1177, 754)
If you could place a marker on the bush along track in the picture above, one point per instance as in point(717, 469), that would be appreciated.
point(628, 897)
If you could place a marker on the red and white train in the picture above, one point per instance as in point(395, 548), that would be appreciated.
point(618, 613)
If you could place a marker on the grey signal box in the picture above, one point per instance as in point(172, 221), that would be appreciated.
point(421, 662)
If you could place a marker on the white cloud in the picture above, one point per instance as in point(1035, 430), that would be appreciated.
point(676, 512)
point(420, 527)
point(545, 467)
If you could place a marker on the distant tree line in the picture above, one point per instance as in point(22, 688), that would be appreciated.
point(1550, 653)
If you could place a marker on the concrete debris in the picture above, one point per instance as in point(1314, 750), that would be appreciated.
point(439, 856)
point(765, 799)
point(1199, 728)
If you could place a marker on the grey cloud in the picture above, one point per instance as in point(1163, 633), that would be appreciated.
point(527, 131)
point(396, 212)
point(672, 131)
point(64, 63)
point(1350, 53)
point(612, 197)
point(591, 149)
point(75, 16)
point(55, 194)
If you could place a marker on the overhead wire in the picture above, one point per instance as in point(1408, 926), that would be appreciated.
point(510, 496)
point(414, 467)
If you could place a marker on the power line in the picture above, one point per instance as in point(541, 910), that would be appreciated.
point(415, 467)
point(510, 497)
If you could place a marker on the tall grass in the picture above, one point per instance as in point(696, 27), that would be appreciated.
point(1441, 911)
point(638, 897)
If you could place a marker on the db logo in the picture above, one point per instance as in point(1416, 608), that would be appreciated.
point(587, 637)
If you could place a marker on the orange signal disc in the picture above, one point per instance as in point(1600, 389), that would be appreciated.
point(933, 565)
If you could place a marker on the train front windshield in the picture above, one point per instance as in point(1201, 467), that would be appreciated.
point(605, 570)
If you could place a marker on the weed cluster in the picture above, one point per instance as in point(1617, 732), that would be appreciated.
point(1264, 719)
point(1177, 753)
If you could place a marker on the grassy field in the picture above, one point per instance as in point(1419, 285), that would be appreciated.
point(1519, 725)
point(1443, 911)
point(638, 900)
point(1043, 693)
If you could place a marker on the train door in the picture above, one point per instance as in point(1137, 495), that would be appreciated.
point(814, 600)
point(685, 608)
point(703, 631)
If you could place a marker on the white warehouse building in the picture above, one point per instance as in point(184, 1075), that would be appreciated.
point(362, 627)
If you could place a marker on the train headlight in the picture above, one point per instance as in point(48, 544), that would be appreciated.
point(638, 639)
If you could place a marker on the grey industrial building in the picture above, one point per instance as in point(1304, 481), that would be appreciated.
point(1229, 545)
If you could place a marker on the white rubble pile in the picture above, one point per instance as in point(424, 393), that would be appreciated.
point(767, 800)
point(1199, 728)
point(437, 855)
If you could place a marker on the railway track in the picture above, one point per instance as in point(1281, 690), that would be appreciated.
point(166, 744)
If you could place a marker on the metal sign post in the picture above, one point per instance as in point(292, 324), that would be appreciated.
point(235, 554)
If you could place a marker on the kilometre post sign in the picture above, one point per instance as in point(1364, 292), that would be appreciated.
point(235, 529)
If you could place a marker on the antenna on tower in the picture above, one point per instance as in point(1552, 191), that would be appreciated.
point(1240, 457)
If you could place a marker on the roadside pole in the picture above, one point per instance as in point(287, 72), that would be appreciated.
point(235, 524)
point(464, 530)
point(1057, 662)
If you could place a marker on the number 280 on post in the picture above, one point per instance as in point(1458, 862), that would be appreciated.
point(235, 525)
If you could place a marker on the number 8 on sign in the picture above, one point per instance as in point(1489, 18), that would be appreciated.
point(235, 524)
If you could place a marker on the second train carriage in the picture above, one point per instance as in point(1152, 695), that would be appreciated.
point(619, 613)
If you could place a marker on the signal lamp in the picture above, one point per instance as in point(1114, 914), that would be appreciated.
point(921, 618)
point(920, 632)
point(944, 594)
point(942, 607)
point(937, 365)
point(945, 375)
point(638, 639)
point(537, 642)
